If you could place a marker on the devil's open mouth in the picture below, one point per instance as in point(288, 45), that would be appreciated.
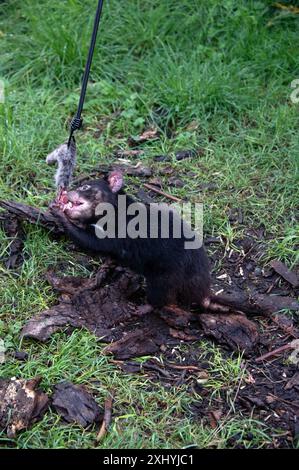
point(66, 203)
point(70, 205)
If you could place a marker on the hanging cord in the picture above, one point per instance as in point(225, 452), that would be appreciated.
point(76, 122)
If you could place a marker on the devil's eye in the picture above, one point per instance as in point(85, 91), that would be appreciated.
point(85, 187)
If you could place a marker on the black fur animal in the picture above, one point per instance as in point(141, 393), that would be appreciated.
point(174, 275)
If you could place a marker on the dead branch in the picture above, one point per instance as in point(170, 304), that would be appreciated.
point(274, 352)
point(158, 191)
point(33, 215)
point(107, 417)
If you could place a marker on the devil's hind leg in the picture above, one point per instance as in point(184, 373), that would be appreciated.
point(160, 291)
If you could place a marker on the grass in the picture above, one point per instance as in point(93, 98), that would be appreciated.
point(211, 75)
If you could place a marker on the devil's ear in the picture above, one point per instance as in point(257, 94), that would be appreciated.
point(115, 180)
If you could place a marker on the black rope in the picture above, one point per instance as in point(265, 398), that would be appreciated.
point(76, 122)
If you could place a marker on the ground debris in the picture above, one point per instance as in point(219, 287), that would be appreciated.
point(281, 269)
point(274, 303)
point(293, 382)
point(182, 154)
point(165, 370)
point(148, 135)
point(75, 404)
point(276, 352)
point(108, 304)
point(136, 170)
point(162, 193)
point(13, 230)
point(233, 330)
point(215, 416)
point(124, 166)
point(112, 306)
point(128, 153)
point(272, 396)
point(33, 215)
point(101, 310)
point(177, 318)
point(21, 355)
point(107, 417)
point(144, 197)
point(21, 404)
point(176, 182)
point(161, 158)
point(70, 284)
point(140, 342)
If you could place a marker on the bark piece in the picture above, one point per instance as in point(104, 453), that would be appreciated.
point(21, 404)
point(274, 303)
point(161, 158)
point(293, 382)
point(144, 197)
point(111, 307)
point(166, 170)
point(141, 342)
point(284, 272)
point(75, 404)
point(182, 154)
point(70, 284)
point(13, 230)
point(254, 400)
point(176, 182)
point(21, 355)
point(33, 215)
point(181, 335)
point(236, 331)
point(100, 310)
point(176, 317)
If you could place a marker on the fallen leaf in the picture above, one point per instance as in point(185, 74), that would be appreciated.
point(150, 134)
point(215, 416)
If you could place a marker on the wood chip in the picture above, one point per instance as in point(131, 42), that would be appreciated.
point(281, 269)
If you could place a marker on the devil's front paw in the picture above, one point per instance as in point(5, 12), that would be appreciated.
point(54, 205)
point(57, 212)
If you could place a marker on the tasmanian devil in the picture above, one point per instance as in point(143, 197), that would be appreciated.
point(174, 273)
